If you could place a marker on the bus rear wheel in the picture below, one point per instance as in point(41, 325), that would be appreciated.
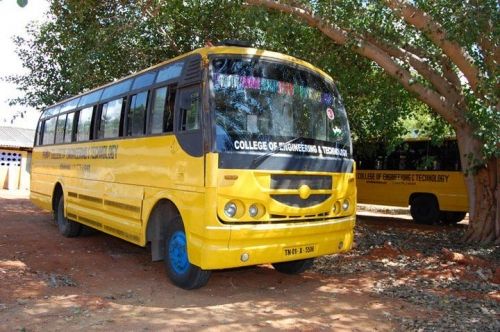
point(67, 228)
point(181, 272)
point(452, 217)
point(424, 209)
point(294, 267)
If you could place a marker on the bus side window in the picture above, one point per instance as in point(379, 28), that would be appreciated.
point(61, 124)
point(49, 131)
point(136, 115)
point(84, 124)
point(109, 121)
point(189, 109)
point(162, 112)
point(393, 160)
point(450, 156)
point(68, 132)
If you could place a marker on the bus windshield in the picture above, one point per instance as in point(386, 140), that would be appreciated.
point(267, 106)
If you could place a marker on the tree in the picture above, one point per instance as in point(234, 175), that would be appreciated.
point(446, 54)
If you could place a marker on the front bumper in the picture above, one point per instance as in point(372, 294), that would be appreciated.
point(270, 243)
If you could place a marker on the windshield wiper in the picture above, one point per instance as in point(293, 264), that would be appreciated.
point(270, 153)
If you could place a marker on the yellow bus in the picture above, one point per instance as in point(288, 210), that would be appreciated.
point(418, 173)
point(223, 157)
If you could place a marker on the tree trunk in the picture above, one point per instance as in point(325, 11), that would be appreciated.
point(483, 189)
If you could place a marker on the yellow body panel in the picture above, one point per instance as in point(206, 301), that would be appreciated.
point(105, 182)
point(393, 187)
point(114, 185)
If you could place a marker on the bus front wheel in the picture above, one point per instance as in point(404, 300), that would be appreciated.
point(180, 271)
point(294, 267)
point(424, 209)
point(67, 228)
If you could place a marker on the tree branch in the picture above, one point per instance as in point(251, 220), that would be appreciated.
point(442, 85)
point(449, 73)
point(439, 103)
point(339, 36)
point(436, 33)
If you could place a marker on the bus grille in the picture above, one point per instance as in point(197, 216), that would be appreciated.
point(294, 182)
point(315, 182)
point(296, 201)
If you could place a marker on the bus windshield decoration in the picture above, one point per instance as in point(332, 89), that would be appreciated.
point(223, 157)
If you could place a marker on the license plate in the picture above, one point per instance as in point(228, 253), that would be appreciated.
point(299, 250)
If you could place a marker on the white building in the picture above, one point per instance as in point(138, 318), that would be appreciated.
point(16, 145)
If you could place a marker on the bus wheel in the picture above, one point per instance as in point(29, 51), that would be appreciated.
point(294, 267)
point(66, 227)
point(180, 271)
point(452, 217)
point(424, 209)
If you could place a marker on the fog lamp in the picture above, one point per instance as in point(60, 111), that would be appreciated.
point(345, 205)
point(253, 210)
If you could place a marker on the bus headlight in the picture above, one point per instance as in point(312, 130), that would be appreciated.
point(253, 210)
point(345, 205)
point(230, 209)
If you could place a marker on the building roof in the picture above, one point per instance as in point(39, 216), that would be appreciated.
point(11, 137)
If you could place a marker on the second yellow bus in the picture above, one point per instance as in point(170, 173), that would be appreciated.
point(419, 174)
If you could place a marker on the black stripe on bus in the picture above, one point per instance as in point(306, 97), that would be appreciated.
point(90, 198)
point(122, 206)
point(235, 160)
point(119, 205)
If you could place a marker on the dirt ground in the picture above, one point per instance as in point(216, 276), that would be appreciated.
point(97, 282)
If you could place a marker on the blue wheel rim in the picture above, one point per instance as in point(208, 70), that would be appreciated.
point(177, 253)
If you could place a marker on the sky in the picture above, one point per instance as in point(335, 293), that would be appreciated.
point(13, 20)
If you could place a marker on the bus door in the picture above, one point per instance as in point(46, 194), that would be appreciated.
point(188, 158)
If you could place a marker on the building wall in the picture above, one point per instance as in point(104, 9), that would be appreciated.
point(14, 169)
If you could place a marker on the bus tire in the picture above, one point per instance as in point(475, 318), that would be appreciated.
point(294, 267)
point(452, 217)
point(424, 209)
point(180, 271)
point(67, 228)
point(56, 197)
